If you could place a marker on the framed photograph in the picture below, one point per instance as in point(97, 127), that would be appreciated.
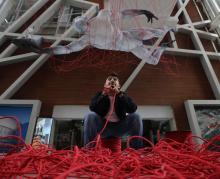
point(204, 117)
point(26, 111)
point(43, 130)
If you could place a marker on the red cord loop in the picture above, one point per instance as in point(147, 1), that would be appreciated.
point(167, 159)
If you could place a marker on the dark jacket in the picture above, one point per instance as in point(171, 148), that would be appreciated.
point(100, 104)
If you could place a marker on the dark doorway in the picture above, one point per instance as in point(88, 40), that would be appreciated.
point(68, 134)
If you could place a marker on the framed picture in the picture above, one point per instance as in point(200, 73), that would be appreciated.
point(43, 130)
point(204, 117)
point(26, 111)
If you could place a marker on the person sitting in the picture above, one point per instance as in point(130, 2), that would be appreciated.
point(118, 108)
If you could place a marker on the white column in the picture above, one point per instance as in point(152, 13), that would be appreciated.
point(35, 25)
point(24, 18)
point(216, 22)
point(207, 66)
point(40, 61)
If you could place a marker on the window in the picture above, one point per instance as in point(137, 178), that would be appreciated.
point(212, 8)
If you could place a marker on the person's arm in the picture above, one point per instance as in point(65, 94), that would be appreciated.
point(75, 46)
point(99, 102)
point(128, 102)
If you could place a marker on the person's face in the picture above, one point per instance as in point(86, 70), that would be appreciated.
point(112, 82)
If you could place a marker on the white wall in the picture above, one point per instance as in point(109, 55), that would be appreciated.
point(152, 112)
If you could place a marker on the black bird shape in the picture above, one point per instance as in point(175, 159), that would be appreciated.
point(136, 12)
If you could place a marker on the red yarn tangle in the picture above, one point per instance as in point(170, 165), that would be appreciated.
point(167, 159)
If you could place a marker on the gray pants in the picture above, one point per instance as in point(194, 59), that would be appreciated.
point(131, 126)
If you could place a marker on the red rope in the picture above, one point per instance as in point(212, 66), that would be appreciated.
point(160, 161)
point(167, 159)
point(114, 144)
point(16, 121)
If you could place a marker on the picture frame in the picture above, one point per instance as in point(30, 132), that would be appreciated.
point(204, 117)
point(26, 111)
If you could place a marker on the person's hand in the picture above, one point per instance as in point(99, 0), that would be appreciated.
point(105, 91)
point(110, 91)
point(150, 16)
point(116, 89)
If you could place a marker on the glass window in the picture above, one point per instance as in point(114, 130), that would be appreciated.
point(68, 133)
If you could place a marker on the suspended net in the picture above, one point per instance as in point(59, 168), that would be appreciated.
point(92, 58)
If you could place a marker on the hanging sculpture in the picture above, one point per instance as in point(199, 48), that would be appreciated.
point(105, 31)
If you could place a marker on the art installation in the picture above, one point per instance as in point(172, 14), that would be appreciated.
point(175, 156)
point(105, 31)
point(167, 159)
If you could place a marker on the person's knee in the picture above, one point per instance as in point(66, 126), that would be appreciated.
point(91, 115)
point(137, 123)
point(136, 118)
point(91, 119)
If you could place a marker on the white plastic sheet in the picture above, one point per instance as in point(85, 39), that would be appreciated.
point(121, 29)
point(104, 32)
